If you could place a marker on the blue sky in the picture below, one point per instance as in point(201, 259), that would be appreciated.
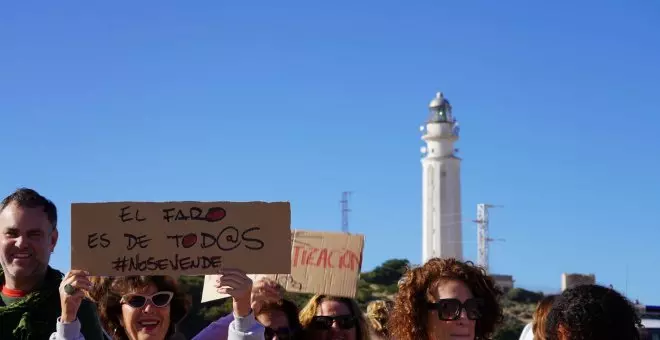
point(301, 100)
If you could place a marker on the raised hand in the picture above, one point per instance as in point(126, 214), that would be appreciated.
point(238, 285)
point(264, 291)
point(72, 291)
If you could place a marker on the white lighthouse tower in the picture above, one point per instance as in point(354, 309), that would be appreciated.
point(441, 188)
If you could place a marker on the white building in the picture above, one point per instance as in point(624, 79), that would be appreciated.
point(569, 281)
point(441, 186)
point(504, 282)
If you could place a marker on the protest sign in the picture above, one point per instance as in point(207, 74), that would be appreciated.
point(321, 263)
point(180, 238)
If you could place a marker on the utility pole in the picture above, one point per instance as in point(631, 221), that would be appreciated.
point(482, 234)
point(345, 210)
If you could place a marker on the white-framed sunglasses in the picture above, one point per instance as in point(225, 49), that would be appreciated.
point(160, 299)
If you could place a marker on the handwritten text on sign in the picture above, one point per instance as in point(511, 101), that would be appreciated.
point(179, 238)
point(321, 263)
point(325, 258)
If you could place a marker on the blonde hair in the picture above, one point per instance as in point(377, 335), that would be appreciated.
point(541, 313)
point(378, 313)
point(309, 311)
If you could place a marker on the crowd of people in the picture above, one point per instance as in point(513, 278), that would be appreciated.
point(441, 299)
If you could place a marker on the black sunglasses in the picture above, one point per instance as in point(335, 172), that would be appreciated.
point(450, 309)
point(160, 299)
point(282, 333)
point(325, 322)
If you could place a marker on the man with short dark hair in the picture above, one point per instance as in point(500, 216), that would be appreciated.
point(29, 296)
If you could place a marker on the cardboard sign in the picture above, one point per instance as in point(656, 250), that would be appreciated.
point(180, 238)
point(321, 263)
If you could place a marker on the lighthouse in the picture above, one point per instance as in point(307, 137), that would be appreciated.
point(441, 184)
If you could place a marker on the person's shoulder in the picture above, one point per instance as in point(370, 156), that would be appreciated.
point(527, 333)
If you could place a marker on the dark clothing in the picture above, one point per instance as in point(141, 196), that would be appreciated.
point(33, 317)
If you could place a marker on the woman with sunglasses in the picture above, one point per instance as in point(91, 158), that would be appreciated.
point(130, 307)
point(281, 320)
point(277, 317)
point(333, 318)
point(445, 299)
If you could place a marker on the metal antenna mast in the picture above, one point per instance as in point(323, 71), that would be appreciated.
point(482, 234)
point(345, 210)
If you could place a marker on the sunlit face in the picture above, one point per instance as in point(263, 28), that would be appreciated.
point(461, 329)
point(334, 321)
point(146, 320)
point(276, 323)
point(26, 241)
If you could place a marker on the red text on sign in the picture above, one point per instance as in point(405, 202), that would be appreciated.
point(325, 258)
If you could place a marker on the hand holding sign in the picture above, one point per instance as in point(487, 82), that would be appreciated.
point(238, 285)
point(72, 289)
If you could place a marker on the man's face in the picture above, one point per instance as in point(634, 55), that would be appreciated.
point(27, 239)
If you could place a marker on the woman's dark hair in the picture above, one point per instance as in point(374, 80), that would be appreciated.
point(100, 287)
point(409, 318)
point(30, 198)
point(592, 312)
point(110, 310)
point(288, 308)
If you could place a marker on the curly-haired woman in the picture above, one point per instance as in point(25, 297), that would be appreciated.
point(592, 312)
point(445, 299)
point(130, 307)
point(135, 305)
point(143, 307)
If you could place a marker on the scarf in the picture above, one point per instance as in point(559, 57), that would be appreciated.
point(35, 315)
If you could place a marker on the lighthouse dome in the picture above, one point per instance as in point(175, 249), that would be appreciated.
point(440, 109)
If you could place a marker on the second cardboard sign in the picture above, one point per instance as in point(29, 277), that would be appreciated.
point(321, 263)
